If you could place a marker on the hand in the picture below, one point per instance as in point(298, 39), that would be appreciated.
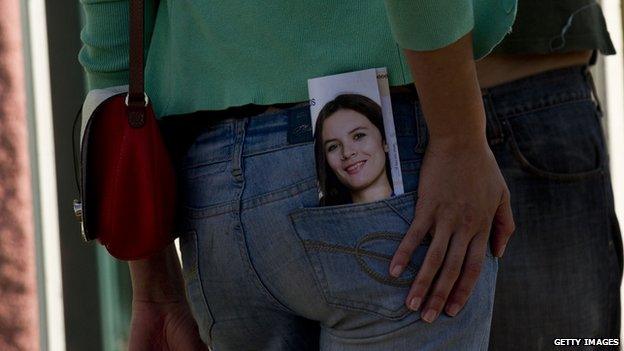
point(460, 194)
point(163, 326)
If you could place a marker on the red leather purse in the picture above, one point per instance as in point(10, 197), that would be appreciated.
point(127, 179)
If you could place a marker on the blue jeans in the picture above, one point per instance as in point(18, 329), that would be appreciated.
point(267, 269)
point(561, 272)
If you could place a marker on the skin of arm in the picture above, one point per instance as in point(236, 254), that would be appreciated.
point(161, 317)
point(462, 196)
point(158, 278)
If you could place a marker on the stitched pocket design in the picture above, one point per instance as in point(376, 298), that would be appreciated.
point(350, 248)
point(562, 142)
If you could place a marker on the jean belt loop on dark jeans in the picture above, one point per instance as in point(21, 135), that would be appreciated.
point(590, 80)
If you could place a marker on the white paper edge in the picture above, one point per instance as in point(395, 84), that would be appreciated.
point(94, 99)
point(389, 129)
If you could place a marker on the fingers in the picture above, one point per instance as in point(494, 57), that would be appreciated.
point(503, 225)
point(417, 231)
point(455, 256)
point(446, 279)
point(469, 274)
point(432, 263)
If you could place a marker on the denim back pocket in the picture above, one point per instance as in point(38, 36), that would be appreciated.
point(350, 248)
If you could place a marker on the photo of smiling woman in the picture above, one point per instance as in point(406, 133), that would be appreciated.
point(350, 148)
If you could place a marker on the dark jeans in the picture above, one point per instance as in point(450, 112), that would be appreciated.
point(561, 272)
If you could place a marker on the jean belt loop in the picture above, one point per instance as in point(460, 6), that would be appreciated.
point(240, 126)
point(592, 84)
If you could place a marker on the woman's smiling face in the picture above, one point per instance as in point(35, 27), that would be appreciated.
point(354, 149)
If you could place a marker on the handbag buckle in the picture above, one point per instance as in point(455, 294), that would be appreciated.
point(78, 214)
point(78, 209)
point(136, 114)
point(145, 98)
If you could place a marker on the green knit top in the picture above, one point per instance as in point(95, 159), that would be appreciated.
point(213, 54)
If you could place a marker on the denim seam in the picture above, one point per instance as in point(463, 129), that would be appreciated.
point(253, 202)
point(280, 147)
point(368, 308)
point(255, 276)
point(280, 194)
point(398, 213)
point(201, 283)
point(322, 285)
point(239, 230)
point(372, 338)
point(224, 162)
point(611, 249)
point(210, 211)
point(417, 161)
point(510, 116)
point(397, 201)
point(496, 125)
point(356, 253)
point(529, 167)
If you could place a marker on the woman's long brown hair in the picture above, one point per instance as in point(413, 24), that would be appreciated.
point(333, 191)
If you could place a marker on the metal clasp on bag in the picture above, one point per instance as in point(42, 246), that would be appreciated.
point(136, 114)
point(79, 217)
point(146, 99)
point(78, 210)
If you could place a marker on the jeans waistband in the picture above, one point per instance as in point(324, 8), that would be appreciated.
point(292, 125)
point(539, 91)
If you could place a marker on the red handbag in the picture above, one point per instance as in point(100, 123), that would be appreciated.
point(127, 179)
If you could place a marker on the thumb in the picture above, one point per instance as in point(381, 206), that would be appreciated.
point(502, 226)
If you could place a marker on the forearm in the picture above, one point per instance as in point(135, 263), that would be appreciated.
point(449, 92)
point(158, 278)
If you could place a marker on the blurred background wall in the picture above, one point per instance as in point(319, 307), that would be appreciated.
point(19, 328)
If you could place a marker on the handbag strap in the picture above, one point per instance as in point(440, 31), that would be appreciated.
point(136, 100)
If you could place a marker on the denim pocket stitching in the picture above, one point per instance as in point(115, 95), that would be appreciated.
point(312, 248)
point(276, 148)
point(529, 167)
point(210, 168)
point(358, 252)
point(262, 199)
point(356, 208)
point(349, 304)
point(545, 106)
point(279, 194)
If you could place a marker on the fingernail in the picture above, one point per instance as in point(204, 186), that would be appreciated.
point(414, 304)
point(500, 252)
point(430, 316)
point(453, 309)
point(396, 271)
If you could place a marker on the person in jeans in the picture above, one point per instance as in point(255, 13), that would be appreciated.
point(560, 277)
point(265, 268)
